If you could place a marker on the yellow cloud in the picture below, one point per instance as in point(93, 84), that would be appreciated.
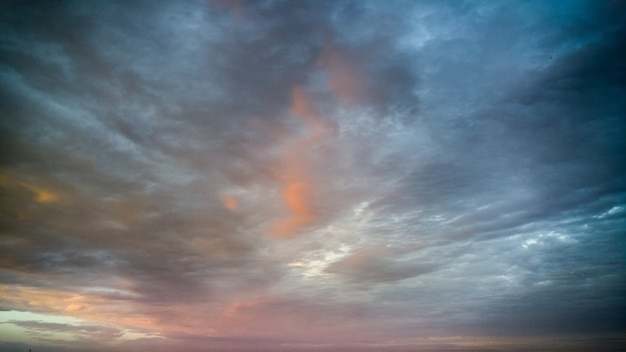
point(41, 194)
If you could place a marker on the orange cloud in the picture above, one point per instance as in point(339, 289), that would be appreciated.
point(229, 202)
point(297, 198)
point(317, 128)
point(297, 189)
point(34, 299)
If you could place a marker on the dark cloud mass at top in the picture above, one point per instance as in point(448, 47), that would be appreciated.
point(312, 175)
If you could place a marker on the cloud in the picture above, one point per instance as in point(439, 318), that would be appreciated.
point(102, 333)
point(264, 173)
point(229, 202)
point(374, 266)
point(342, 79)
point(298, 157)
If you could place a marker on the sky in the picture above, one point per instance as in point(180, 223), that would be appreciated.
point(312, 175)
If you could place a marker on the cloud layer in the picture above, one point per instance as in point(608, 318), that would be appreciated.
point(302, 175)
